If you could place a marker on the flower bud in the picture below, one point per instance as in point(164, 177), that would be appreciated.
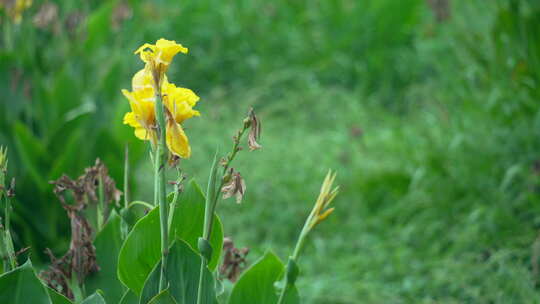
point(326, 196)
point(3, 158)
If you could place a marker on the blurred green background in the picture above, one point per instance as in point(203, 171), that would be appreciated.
point(428, 110)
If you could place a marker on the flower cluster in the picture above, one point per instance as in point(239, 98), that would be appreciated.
point(151, 83)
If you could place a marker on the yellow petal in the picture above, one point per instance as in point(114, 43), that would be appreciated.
point(143, 134)
point(180, 102)
point(145, 55)
point(167, 49)
point(177, 141)
point(187, 95)
point(160, 53)
point(129, 119)
point(143, 47)
point(142, 105)
point(142, 80)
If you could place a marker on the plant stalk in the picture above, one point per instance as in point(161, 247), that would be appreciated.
point(210, 205)
point(101, 204)
point(294, 257)
point(8, 242)
point(126, 178)
point(212, 195)
point(160, 184)
point(174, 201)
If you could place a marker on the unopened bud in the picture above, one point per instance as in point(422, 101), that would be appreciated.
point(326, 196)
point(205, 248)
point(3, 158)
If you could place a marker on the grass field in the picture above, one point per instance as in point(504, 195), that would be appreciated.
point(432, 127)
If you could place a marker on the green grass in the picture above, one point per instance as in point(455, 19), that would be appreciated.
point(432, 128)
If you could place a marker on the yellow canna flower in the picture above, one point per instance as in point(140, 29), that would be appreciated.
point(160, 55)
point(179, 103)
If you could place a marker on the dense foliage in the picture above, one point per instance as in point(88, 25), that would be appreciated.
point(432, 124)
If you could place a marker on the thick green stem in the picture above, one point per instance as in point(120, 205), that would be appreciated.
point(160, 184)
point(204, 264)
point(210, 205)
point(208, 220)
point(78, 292)
point(212, 195)
point(8, 242)
point(294, 257)
point(156, 173)
point(174, 201)
point(126, 178)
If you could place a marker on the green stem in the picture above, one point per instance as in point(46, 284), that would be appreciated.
point(235, 150)
point(160, 183)
point(212, 195)
point(156, 165)
point(204, 264)
point(296, 254)
point(175, 199)
point(78, 293)
point(8, 242)
point(10, 250)
point(208, 220)
point(210, 205)
point(126, 178)
point(101, 204)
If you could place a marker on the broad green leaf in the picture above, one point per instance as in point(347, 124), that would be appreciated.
point(98, 25)
point(141, 250)
point(163, 297)
point(69, 156)
point(188, 222)
point(65, 89)
point(95, 298)
point(108, 243)
point(32, 152)
point(57, 298)
point(21, 286)
point(183, 269)
point(256, 285)
point(151, 286)
point(129, 298)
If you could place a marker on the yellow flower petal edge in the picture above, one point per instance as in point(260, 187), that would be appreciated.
point(162, 52)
